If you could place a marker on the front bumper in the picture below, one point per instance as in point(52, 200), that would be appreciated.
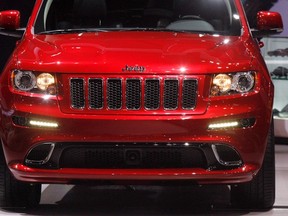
point(249, 143)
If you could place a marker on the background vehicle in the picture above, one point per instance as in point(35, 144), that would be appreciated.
point(141, 91)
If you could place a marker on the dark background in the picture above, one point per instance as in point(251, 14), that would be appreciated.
point(7, 44)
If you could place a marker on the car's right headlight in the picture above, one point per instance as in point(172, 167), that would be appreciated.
point(232, 83)
point(34, 82)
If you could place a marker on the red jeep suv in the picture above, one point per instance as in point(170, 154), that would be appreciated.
point(137, 91)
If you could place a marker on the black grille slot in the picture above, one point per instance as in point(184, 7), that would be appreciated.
point(152, 94)
point(189, 94)
point(96, 93)
point(77, 93)
point(171, 94)
point(133, 94)
point(114, 94)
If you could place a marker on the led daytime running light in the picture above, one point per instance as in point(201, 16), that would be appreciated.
point(43, 124)
point(223, 125)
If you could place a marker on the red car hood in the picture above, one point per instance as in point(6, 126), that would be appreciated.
point(113, 52)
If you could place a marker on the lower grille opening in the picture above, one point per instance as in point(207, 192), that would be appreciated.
point(133, 156)
point(107, 157)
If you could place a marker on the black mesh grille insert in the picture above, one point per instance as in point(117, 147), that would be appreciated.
point(189, 94)
point(152, 94)
point(114, 94)
point(96, 93)
point(133, 94)
point(171, 94)
point(77, 93)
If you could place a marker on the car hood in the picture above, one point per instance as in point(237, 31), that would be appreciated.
point(145, 52)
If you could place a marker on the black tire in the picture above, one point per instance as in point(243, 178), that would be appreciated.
point(260, 192)
point(14, 193)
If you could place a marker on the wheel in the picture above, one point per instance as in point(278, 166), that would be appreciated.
point(260, 192)
point(14, 193)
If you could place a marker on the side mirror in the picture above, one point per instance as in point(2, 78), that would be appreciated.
point(10, 23)
point(268, 23)
point(10, 20)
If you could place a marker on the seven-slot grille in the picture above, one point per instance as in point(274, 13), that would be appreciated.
point(133, 93)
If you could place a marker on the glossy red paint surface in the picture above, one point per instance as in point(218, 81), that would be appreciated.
point(269, 20)
point(165, 55)
point(10, 19)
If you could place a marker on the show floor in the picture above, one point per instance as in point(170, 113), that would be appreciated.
point(152, 200)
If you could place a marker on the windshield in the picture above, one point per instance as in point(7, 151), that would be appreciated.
point(205, 16)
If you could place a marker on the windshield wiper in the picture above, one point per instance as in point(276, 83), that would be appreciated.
point(69, 31)
point(145, 29)
point(157, 30)
point(83, 30)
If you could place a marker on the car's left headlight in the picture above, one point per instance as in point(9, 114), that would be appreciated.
point(226, 84)
point(34, 82)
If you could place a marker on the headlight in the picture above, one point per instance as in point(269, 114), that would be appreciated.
point(34, 82)
point(226, 84)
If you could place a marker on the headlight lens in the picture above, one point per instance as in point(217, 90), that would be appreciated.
point(226, 84)
point(243, 82)
point(34, 82)
point(223, 82)
point(44, 80)
point(25, 81)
